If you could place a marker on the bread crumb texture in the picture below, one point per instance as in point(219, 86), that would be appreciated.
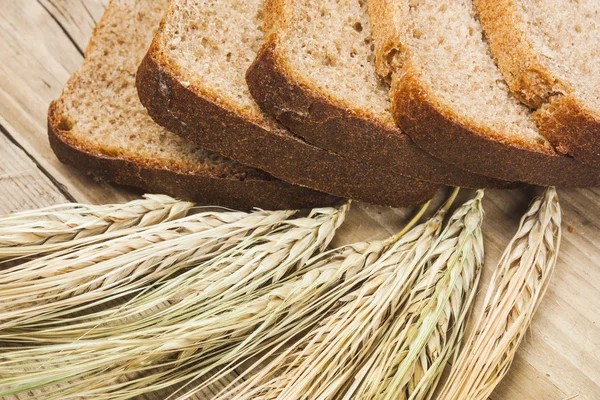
point(457, 65)
point(202, 40)
point(342, 65)
point(100, 110)
point(566, 33)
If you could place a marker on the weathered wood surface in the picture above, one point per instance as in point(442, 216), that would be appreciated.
point(41, 43)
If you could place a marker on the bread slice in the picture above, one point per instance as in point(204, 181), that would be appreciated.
point(316, 75)
point(192, 81)
point(449, 96)
point(549, 53)
point(99, 126)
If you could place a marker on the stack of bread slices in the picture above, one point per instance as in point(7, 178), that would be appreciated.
point(295, 103)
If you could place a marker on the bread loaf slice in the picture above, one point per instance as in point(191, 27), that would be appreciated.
point(316, 75)
point(549, 53)
point(99, 126)
point(192, 81)
point(449, 96)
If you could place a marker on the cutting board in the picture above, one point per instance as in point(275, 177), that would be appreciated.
point(42, 43)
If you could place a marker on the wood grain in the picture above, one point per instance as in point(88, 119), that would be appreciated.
point(40, 46)
point(77, 19)
point(37, 57)
point(23, 185)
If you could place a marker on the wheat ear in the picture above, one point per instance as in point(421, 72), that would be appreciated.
point(411, 356)
point(69, 225)
point(244, 327)
point(514, 294)
point(266, 259)
point(222, 335)
point(242, 269)
point(46, 288)
point(318, 365)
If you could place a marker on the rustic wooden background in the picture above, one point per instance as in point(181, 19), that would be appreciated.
point(42, 43)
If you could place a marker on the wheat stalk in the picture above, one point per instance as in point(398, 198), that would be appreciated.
point(325, 280)
point(68, 225)
point(320, 363)
point(260, 262)
point(251, 264)
point(407, 363)
point(134, 347)
point(514, 294)
point(223, 334)
point(46, 288)
point(238, 329)
point(219, 333)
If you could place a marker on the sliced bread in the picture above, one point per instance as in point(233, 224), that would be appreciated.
point(99, 126)
point(316, 75)
point(192, 81)
point(449, 96)
point(549, 53)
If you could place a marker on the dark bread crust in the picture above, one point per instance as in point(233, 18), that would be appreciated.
point(438, 132)
point(309, 113)
point(255, 191)
point(196, 116)
point(571, 128)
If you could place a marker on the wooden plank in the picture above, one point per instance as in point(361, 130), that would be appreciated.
point(77, 19)
point(23, 185)
point(37, 59)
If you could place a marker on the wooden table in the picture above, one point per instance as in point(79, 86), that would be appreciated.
point(41, 44)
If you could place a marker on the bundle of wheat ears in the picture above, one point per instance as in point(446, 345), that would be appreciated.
point(516, 290)
point(70, 225)
point(188, 299)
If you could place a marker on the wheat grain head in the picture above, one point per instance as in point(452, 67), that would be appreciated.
point(321, 362)
point(514, 294)
point(46, 287)
point(65, 226)
point(408, 360)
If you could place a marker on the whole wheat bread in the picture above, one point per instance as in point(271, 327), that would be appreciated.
point(192, 81)
point(316, 75)
point(99, 126)
point(449, 96)
point(549, 53)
